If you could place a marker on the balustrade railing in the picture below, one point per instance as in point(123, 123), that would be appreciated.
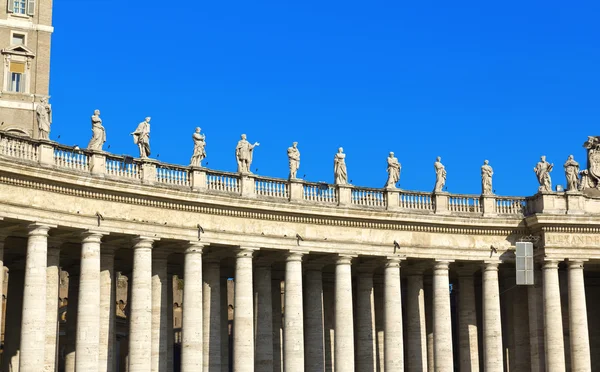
point(69, 158)
point(223, 182)
point(320, 192)
point(465, 203)
point(173, 175)
point(368, 198)
point(510, 205)
point(416, 200)
point(18, 148)
point(271, 187)
point(123, 167)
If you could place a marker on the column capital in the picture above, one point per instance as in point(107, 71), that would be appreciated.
point(490, 265)
point(91, 236)
point(442, 265)
point(39, 229)
point(344, 260)
point(242, 252)
point(143, 242)
point(550, 265)
point(575, 264)
point(194, 247)
point(393, 261)
point(294, 256)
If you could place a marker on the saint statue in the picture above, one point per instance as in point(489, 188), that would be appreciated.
point(340, 174)
point(44, 117)
point(440, 175)
point(243, 154)
point(393, 169)
point(486, 178)
point(199, 145)
point(294, 158)
point(98, 133)
point(542, 171)
point(572, 174)
point(141, 137)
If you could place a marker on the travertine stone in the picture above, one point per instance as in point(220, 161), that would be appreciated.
point(553, 332)
point(340, 173)
point(492, 323)
point(542, 171)
point(393, 343)
point(159, 310)
point(572, 174)
point(276, 299)
point(416, 348)
point(44, 118)
point(243, 315)
point(344, 319)
point(199, 148)
point(314, 342)
point(578, 322)
point(535, 305)
point(293, 328)
point(211, 293)
point(467, 321)
point(442, 324)
point(294, 160)
point(107, 362)
point(393, 169)
point(98, 133)
point(71, 325)
point(141, 137)
point(522, 354)
point(486, 178)
point(33, 322)
point(428, 284)
point(440, 175)
point(365, 321)
point(140, 323)
point(243, 153)
point(263, 315)
point(170, 330)
point(52, 287)
point(191, 336)
point(2, 239)
point(14, 306)
point(225, 339)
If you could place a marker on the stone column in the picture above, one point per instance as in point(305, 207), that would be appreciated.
point(52, 287)
point(553, 331)
point(2, 239)
point(71, 326)
point(33, 321)
point(106, 358)
point(170, 331)
point(263, 316)
point(14, 306)
point(492, 323)
point(293, 328)
point(442, 323)
point(191, 327)
point(277, 324)
point(467, 321)
point(344, 318)
point(314, 339)
point(393, 339)
point(211, 294)
point(225, 342)
point(140, 323)
point(159, 310)
point(415, 323)
point(365, 320)
point(578, 324)
point(428, 283)
point(535, 303)
point(87, 343)
point(243, 317)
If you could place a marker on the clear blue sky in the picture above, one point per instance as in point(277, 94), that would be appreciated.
point(467, 81)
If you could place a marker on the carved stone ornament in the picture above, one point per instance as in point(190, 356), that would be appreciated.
point(590, 177)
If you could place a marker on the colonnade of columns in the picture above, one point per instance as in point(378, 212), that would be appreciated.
point(91, 317)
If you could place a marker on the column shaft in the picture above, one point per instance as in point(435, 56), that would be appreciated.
point(211, 293)
point(277, 325)
point(140, 314)
point(159, 311)
point(365, 322)
point(492, 323)
point(170, 330)
point(243, 314)
point(52, 286)
point(428, 283)
point(263, 316)
point(293, 329)
point(14, 307)
point(467, 323)
point(191, 329)
point(415, 324)
point(71, 326)
point(225, 339)
point(106, 357)
point(393, 338)
point(535, 304)
point(33, 345)
point(578, 323)
point(442, 323)
point(553, 331)
point(314, 339)
point(344, 319)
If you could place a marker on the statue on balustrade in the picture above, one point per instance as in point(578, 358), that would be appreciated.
point(98, 133)
point(44, 118)
point(590, 177)
point(340, 173)
point(572, 174)
point(542, 171)
point(243, 154)
point(141, 137)
point(393, 169)
point(486, 178)
point(199, 148)
point(294, 158)
point(440, 175)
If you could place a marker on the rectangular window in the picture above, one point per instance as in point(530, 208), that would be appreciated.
point(18, 39)
point(19, 6)
point(16, 82)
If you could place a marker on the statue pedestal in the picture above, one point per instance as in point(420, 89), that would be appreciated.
point(489, 205)
point(344, 194)
point(97, 163)
point(440, 200)
point(46, 153)
point(247, 185)
point(392, 197)
point(575, 202)
point(149, 171)
point(198, 178)
point(296, 189)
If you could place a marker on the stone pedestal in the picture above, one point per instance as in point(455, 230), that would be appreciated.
point(575, 202)
point(392, 307)
point(488, 205)
point(97, 163)
point(492, 323)
point(198, 179)
point(211, 294)
point(293, 328)
point(392, 197)
point(440, 201)
point(296, 190)
point(191, 328)
point(243, 315)
point(314, 342)
point(263, 313)
point(442, 324)
point(149, 171)
point(344, 194)
point(344, 319)
point(46, 153)
point(578, 322)
point(247, 186)
point(553, 331)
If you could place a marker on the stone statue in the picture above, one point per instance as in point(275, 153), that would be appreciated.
point(243, 154)
point(44, 118)
point(393, 169)
point(572, 174)
point(542, 171)
point(199, 151)
point(294, 158)
point(98, 133)
point(141, 137)
point(486, 178)
point(340, 173)
point(440, 175)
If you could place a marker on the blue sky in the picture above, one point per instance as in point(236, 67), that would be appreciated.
point(467, 81)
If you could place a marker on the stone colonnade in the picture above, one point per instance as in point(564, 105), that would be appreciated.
point(348, 341)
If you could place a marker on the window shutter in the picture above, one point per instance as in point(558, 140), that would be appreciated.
point(11, 6)
point(524, 263)
point(30, 7)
